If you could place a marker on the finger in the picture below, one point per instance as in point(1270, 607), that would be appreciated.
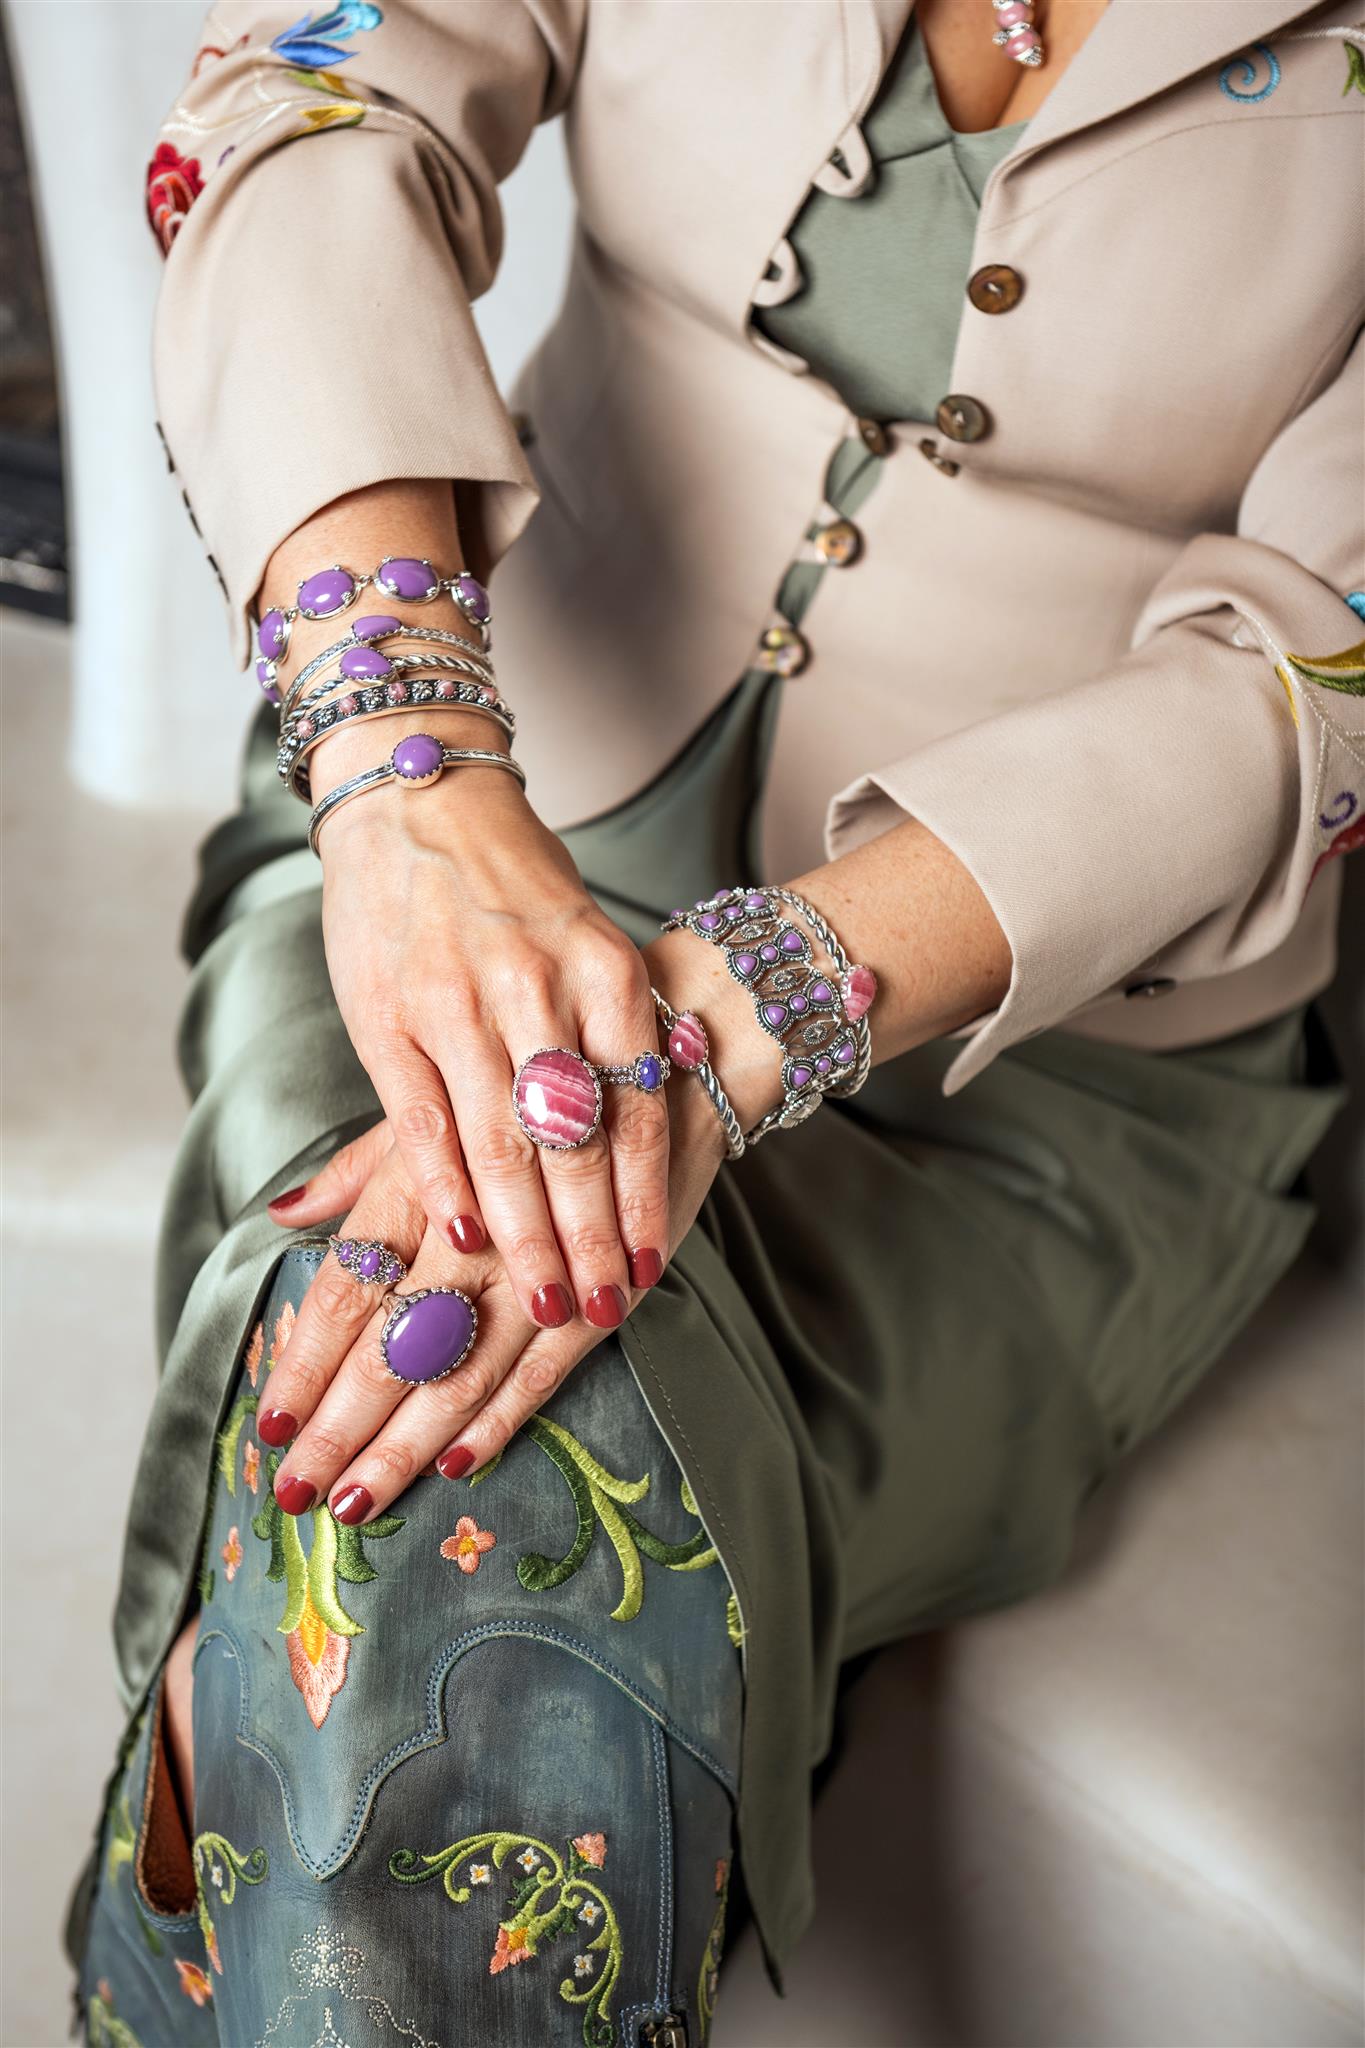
point(428, 1424)
point(333, 1189)
point(505, 1166)
point(637, 1137)
point(523, 1390)
point(355, 1448)
point(424, 1130)
point(338, 1305)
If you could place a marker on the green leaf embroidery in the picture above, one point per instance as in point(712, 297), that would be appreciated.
point(228, 1437)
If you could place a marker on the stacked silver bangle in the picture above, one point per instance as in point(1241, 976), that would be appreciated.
point(415, 763)
point(817, 1015)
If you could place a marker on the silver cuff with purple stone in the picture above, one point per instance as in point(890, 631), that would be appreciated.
point(369, 1261)
point(557, 1094)
point(415, 763)
point(328, 592)
point(817, 1016)
point(383, 700)
point(359, 660)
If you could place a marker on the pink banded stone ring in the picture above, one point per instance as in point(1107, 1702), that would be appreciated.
point(557, 1094)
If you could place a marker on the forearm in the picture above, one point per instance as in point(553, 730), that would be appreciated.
point(903, 904)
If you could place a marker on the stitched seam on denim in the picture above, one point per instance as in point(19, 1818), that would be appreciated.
point(702, 1480)
point(1168, 135)
point(435, 1732)
point(664, 1958)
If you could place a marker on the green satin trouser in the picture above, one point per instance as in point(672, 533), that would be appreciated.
point(902, 1345)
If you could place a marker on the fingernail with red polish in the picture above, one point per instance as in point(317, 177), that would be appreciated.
point(466, 1234)
point(606, 1307)
point(352, 1504)
point(276, 1427)
point(454, 1463)
point(551, 1306)
point(288, 1200)
point(295, 1496)
point(645, 1266)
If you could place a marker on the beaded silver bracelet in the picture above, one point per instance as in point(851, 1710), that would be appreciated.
point(328, 592)
point(384, 700)
point(415, 763)
point(818, 1017)
point(689, 1050)
point(361, 661)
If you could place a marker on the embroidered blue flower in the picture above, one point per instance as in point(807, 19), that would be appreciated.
point(1356, 600)
point(1245, 69)
point(316, 45)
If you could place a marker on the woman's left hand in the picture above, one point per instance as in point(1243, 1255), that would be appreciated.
point(357, 1436)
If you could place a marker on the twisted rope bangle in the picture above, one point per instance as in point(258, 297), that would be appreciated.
point(310, 728)
point(362, 662)
point(705, 1073)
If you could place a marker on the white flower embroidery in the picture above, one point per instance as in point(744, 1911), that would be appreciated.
point(582, 1966)
point(528, 1859)
point(590, 1911)
point(216, 1875)
point(480, 1873)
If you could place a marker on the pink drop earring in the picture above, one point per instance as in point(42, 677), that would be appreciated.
point(1015, 33)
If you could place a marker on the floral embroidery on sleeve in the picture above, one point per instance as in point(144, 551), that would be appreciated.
point(554, 1896)
point(194, 1982)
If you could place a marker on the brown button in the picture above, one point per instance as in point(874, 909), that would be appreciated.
point(523, 428)
point(1160, 987)
point(874, 437)
point(839, 543)
point(962, 419)
point(929, 450)
point(995, 288)
point(783, 650)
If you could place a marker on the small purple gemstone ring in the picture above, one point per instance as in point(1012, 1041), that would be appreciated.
point(369, 1262)
point(647, 1071)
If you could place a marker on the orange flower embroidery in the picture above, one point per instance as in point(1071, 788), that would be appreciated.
point(284, 1324)
point(513, 1944)
point(317, 1661)
point(231, 1553)
point(194, 1982)
point(211, 1944)
point(255, 1351)
point(251, 1466)
point(466, 1548)
point(592, 1848)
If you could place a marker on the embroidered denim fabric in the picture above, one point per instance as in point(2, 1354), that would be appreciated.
point(525, 1764)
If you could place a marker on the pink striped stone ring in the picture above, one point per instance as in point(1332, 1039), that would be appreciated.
point(557, 1094)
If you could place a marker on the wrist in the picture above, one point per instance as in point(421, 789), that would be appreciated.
point(748, 1064)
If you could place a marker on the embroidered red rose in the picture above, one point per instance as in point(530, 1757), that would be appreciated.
point(1348, 841)
point(173, 184)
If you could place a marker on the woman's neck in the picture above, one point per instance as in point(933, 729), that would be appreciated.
point(978, 85)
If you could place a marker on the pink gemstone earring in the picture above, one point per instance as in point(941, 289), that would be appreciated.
point(1015, 33)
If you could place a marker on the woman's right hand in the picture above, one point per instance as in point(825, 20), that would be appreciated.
point(460, 939)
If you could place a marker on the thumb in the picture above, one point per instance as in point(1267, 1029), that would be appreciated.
point(334, 1187)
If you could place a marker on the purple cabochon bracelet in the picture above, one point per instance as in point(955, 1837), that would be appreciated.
point(334, 589)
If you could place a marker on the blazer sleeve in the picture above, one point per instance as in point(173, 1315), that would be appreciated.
point(1166, 817)
point(325, 192)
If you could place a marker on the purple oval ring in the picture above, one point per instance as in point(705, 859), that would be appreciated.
point(428, 1333)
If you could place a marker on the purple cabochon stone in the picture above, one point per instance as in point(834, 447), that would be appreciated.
point(649, 1072)
point(423, 1338)
point(331, 590)
point(405, 576)
point(474, 598)
point(755, 902)
point(799, 1006)
point(556, 1097)
point(792, 942)
point(345, 1251)
point(373, 624)
point(821, 992)
point(369, 1262)
point(363, 664)
point(710, 920)
point(417, 757)
point(800, 1076)
point(844, 1053)
point(767, 952)
point(824, 1066)
point(271, 635)
point(745, 963)
point(775, 1014)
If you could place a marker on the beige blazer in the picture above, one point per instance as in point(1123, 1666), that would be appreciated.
point(1086, 647)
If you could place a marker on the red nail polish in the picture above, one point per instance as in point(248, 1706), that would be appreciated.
point(276, 1426)
point(352, 1504)
point(454, 1463)
point(295, 1496)
point(606, 1307)
point(466, 1234)
point(551, 1306)
point(287, 1201)
point(645, 1266)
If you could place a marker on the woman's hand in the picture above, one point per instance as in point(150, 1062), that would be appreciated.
point(460, 939)
point(357, 1435)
